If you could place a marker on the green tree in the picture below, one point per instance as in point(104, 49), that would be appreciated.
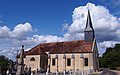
point(111, 58)
point(4, 64)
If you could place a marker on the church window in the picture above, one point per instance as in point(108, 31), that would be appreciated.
point(32, 59)
point(86, 62)
point(53, 61)
point(68, 62)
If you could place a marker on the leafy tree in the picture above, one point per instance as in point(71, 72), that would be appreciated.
point(111, 58)
point(4, 64)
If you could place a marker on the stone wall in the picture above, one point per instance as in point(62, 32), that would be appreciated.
point(76, 63)
point(33, 64)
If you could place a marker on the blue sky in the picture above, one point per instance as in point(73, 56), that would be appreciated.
point(40, 13)
point(31, 22)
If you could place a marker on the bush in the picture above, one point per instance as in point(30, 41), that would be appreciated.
point(110, 58)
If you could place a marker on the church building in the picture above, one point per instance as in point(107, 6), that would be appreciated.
point(66, 56)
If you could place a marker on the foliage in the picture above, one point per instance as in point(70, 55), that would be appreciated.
point(111, 58)
point(4, 62)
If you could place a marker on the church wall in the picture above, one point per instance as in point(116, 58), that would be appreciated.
point(90, 61)
point(96, 58)
point(43, 62)
point(34, 64)
point(76, 63)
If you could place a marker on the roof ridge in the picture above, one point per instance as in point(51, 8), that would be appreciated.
point(61, 41)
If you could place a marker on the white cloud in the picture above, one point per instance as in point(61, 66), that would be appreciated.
point(4, 31)
point(9, 52)
point(20, 31)
point(65, 27)
point(47, 38)
point(12, 40)
point(75, 36)
point(16, 36)
point(105, 44)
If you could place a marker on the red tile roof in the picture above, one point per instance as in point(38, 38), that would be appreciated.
point(79, 46)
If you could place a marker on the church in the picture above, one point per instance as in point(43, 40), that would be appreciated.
point(65, 56)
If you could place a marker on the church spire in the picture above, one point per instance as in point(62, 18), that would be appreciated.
point(89, 31)
point(89, 26)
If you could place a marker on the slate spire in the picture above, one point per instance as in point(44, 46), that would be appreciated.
point(89, 31)
point(89, 26)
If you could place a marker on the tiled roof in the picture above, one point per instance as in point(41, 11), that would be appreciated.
point(79, 46)
point(36, 51)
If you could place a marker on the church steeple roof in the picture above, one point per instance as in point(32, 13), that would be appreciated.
point(89, 26)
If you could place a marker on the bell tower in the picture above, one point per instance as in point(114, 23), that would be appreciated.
point(89, 31)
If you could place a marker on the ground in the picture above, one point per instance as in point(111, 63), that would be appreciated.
point(110, 72)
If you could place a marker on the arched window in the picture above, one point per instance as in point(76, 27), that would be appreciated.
point(32, 59)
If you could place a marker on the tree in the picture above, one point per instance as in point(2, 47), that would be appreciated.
point(4, 64)
point(111, 58)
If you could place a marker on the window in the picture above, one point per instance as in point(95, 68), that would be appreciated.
point(53, 61)
point(68, 62)
point(86, 61)
point(32, 59)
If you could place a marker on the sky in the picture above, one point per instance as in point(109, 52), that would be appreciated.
point(29, 23)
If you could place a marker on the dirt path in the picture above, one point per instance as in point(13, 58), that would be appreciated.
point(110, 72)
point(117, 72)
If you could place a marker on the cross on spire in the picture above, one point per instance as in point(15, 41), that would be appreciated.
point(88, 7)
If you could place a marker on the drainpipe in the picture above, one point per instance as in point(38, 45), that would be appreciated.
point(64, 57)
point(56, 57)
point(82, 57)
point(73, 62)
